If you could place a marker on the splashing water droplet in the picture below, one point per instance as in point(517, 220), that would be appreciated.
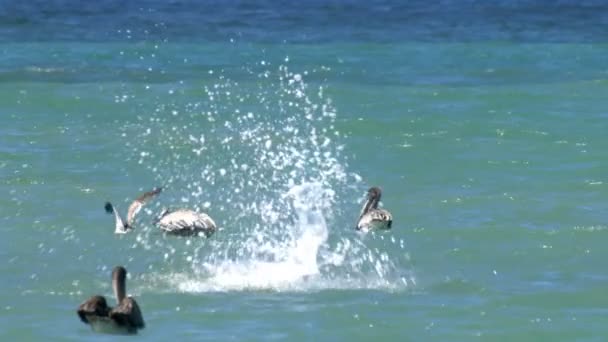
point(284, 207)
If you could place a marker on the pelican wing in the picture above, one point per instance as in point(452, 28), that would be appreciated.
point(139, 202)
point(375, 218)
point(95, 306)
point(381, 215)
point(128, 314)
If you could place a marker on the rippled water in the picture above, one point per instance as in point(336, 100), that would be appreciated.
point(483, 123)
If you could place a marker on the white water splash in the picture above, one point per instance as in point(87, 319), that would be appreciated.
point(263, 160)
point(298, 260)
point(291, 264)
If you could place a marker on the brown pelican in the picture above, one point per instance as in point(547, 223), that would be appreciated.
point(124, 318)
point(185, 222)
point(122, 226)
point(371, 217)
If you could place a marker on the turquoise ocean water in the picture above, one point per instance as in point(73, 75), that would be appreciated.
point(484, 123)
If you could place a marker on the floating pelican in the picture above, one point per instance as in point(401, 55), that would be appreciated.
point(371, 217)
point(124, 318)
point(122, 226)
point(185, 222)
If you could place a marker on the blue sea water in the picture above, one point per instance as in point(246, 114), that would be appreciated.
point(484, 122)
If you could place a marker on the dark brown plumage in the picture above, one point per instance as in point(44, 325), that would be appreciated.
point(126, 317)
point(95, 306)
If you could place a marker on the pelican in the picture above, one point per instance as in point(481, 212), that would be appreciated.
point(124, 318)
point(371, 217)
point(121, 226)
point(185, 222)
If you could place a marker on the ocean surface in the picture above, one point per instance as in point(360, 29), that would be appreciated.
point(484, 122)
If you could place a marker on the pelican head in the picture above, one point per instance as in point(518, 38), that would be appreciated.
point(373, 194)
point(373, 198)
point(119, 276)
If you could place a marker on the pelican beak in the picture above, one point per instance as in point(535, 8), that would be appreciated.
point(366, 207)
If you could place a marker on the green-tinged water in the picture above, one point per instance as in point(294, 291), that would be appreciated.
point(491, 156)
